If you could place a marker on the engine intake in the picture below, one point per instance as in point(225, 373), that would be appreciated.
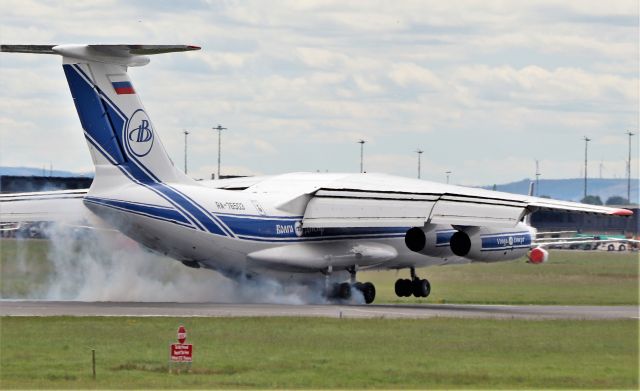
point(460, 243)
point(415, 239)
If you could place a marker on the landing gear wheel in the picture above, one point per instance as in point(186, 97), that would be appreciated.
point(421, 288)
point(368, 291)
point(344, 291)
point(403, 287)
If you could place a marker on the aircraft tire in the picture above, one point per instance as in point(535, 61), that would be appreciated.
point(421, 288)
point(344, 290)
point(368, 291)
point(403, 287)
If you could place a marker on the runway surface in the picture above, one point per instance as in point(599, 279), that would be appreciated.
point(76, 308)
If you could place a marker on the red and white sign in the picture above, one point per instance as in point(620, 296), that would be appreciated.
point(181, 352)
point(182, 334)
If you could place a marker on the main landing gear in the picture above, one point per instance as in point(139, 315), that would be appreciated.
point(415, 286)
point(343, 290)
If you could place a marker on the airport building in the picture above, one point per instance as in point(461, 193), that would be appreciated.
point(548, 221)
point(24, 184)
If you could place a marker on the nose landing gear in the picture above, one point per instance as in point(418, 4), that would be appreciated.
point(415, 286)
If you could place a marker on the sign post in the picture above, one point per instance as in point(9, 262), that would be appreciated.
point(181, 352)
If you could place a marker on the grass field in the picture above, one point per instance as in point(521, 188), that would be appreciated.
point(343, 353)
point(320, 353)
point(570, 277)
point(24, 267)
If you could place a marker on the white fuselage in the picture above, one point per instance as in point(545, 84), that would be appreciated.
point(245, 232)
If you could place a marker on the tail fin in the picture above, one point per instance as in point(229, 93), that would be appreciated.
point(116, 126)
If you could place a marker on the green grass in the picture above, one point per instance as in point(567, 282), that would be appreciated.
point(320, 353)
point(23, 267)
point(570, 277)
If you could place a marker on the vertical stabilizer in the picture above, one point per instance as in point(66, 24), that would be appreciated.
point(120, 134)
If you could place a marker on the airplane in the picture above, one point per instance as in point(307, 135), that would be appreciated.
point(311, 228)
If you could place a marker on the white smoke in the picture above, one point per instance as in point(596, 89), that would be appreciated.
point(98, 265)
point(21, 257)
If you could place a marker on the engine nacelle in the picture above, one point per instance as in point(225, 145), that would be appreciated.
point(430, 241)
point(538, 255)
point(482, 244)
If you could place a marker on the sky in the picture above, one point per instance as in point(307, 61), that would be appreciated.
point(484, 88)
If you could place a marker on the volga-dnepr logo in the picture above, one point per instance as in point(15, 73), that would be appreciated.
point(139, 136)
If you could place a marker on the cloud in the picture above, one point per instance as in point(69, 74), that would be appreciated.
point(297, 83)
point(561, 87)
point(405, 74)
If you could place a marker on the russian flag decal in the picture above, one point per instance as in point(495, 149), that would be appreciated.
point(121, 84)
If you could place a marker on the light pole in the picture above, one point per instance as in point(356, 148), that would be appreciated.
point(629, 169)
point(586, 143)
point(419, 152)
point(219, 129)
point(537, 177)
point(186, 133)
point(361, 142)
point(601, 167)
point(448, 173)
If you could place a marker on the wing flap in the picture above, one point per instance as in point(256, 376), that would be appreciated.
point(337, 208)
point(379, 200)
point(475, 214)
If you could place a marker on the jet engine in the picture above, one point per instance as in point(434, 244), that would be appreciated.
point(430, 240)
point(482, 244)
point(538, 255)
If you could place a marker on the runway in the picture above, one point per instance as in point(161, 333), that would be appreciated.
point(418, 311)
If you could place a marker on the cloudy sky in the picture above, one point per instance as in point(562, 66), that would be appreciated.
point(483, 87)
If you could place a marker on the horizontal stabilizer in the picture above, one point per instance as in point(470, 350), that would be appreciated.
point(40, 49)
point(127, 55)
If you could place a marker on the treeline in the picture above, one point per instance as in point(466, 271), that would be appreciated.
point(613, 200)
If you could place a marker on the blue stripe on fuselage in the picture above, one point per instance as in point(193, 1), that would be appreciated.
point(279, 227)
point(443, 238)
point(92, 114)
point(266, 229)
point(153, 211)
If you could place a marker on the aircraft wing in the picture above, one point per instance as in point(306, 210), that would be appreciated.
point(381, 200)
point(62, 206)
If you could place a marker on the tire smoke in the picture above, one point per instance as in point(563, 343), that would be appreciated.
point(103, 265)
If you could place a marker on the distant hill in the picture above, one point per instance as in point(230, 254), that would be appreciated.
point(573, 189)
point(30, 171)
